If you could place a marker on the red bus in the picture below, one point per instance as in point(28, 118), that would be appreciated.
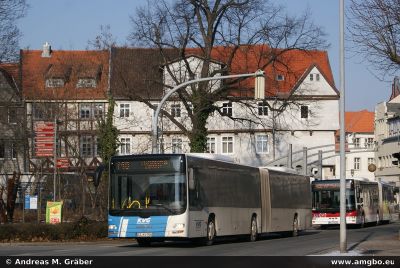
point(366, 201)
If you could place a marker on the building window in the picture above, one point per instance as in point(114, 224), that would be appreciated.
point(210, 145)
point(227, 145)
point(97, 146)
point(369, 143)
point(304, 112)
point(2, 150)
point(84, 110)
point(371, 160)
point(98, 110)
point(86, 83)
point(357, 143)
point(227, 109)
point(13, 151)
point(357, 163)
point(124, 110)
point(86, 146)
point(262, 144)
point(176, 110)
point(176, 146)
point(262, 109)
point(55, 82)
point(312, 77)
point(13, 115)
point(125, 146)
point(280, 77)
point(46, 111)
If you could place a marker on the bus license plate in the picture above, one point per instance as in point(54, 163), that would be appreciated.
point(144, 234)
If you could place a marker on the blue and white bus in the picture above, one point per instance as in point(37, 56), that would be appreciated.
point(186, 196)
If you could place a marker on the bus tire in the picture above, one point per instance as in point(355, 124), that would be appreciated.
point(295, 231)
point(253, 230)
point(211, 233)
point(143, 242)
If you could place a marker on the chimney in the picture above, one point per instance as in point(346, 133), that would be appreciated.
point(46, 53)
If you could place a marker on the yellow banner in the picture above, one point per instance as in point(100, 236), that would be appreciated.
point(53, 212)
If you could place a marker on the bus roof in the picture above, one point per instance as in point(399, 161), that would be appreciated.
point(282, 169)
point(219, 157)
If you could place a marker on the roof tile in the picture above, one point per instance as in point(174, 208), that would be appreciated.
point(69, 65)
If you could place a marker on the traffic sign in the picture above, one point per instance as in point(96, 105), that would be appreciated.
point(44, 138)
point(62, 162)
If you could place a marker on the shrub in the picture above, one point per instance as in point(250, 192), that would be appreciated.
point(81, 230)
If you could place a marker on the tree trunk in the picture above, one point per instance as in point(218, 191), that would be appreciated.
point(198, 136)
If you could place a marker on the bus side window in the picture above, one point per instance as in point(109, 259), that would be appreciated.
point(194, 190)
point(192, 183)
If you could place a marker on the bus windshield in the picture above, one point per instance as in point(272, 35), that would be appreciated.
point(147, 191)
point(329, 200)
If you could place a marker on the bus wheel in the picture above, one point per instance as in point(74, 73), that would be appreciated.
point(143, 242)
point(209, 240)
point(295, 231)
point(253, 230)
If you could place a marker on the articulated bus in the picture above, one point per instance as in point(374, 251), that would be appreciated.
point(366, 201)
point(187, 196)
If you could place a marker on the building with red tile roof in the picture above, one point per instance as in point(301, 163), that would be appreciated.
point(359, 143)
point(69, 87)
point(291, 65)
point(71, 67)
point(138, 81)
point(359, 122)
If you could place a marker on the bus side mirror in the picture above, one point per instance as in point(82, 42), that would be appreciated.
point(192, 184)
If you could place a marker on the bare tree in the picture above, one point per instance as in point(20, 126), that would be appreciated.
point(10, 12)
point(374, 26)
point(218, 30)
point(104, 40)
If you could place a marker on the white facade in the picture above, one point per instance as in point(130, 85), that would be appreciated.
point(387, 135)
point(359, 156)
point(247, 143)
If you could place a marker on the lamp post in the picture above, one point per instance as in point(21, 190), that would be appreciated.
point(343, 240)
point(259, 93)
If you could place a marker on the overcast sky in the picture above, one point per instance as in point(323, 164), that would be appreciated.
point(69, 24)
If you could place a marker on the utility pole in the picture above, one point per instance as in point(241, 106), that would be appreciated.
point(55, 159)
point(259, 88)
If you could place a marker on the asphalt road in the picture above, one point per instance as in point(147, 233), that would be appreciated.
point(310, 242)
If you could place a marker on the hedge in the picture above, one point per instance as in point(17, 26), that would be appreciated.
point(82, 230)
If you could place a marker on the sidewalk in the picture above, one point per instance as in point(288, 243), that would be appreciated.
point(385, 245)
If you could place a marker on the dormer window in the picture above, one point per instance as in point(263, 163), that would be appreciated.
point(57, 75)
point(55, 82)
point(280, 77)
point(86, 83)
point(88, 75)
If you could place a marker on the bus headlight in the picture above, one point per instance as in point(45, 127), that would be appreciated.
point(179, 226)
point(112, 227)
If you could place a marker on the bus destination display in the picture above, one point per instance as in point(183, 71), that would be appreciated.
point(145, 165)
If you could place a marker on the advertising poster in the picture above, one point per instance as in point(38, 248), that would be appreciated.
point(53, 212)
